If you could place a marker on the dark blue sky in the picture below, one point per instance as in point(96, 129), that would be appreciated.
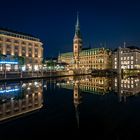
point(53, 21)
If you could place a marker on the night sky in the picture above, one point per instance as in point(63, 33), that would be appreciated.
point(101, 21)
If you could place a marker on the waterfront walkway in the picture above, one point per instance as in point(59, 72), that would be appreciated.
point(17, 78)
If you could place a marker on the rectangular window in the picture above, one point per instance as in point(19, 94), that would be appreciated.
point(16, 41)
point(23, 43)
point(132, 57)
point(128, 66)
point(23, 49)
point(8, 40)
point(16, 47)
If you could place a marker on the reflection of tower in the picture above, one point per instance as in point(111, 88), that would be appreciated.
point(76, 100)
point(77, 42)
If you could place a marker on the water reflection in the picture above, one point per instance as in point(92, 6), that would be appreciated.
point(96, 85)
point(126, 87)
point(76, 100)
point(122, 87)
point(19, 98)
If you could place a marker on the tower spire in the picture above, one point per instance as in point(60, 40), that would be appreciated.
point(77, 27)
point(77, 23)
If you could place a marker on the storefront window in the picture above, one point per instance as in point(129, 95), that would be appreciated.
point(8, 67)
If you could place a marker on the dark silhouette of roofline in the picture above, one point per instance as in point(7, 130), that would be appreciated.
point(129, 47)
point(17, 32)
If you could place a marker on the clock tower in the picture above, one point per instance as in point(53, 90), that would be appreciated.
point(77, 43)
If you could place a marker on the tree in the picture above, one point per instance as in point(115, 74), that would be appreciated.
point(21, 60)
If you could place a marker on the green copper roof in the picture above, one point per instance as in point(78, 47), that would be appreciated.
point(67, 54)
point(91, 51)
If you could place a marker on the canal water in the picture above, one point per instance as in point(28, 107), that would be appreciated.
point(100, 107)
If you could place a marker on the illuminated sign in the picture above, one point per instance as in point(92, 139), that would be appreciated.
point(8, 62)
point(9, 90)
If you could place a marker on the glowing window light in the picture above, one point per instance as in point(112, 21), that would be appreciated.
point(10, 90)
point(8, 62)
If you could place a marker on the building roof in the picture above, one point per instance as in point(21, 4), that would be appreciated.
point(67, 54)
point(129, 47)
point(87, 50)
point(133, 47)
point(10, 32)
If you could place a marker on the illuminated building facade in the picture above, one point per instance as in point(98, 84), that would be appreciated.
point(126, 58)
point(23, 45)
point(81, 58)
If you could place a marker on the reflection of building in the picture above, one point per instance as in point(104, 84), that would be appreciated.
point(126, 58)
point(19, 99)
point(19, 44)
point(126, 87)
point(95, 85)
point(95, 58)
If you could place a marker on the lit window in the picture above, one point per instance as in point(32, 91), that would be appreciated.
point(115, 58)
point(132, 66)
point(124, 58)
point(121, 58)
point(132, 57)
point(127, 58)
point(125, 62)
point(132, 62)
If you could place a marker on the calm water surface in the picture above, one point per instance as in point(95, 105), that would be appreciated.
point(98, 106)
